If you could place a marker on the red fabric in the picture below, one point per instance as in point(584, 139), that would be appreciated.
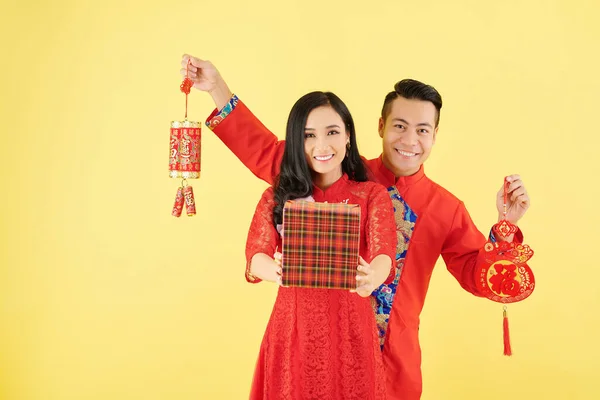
point(443, 227)
point(504, 275)
point(506, 336)
point(320, 245)
point(323, 343)
point(250, 141)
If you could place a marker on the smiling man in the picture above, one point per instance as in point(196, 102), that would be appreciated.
point(430, 220)
point(408, 126)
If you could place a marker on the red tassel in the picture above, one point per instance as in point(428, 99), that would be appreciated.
point(507, 349)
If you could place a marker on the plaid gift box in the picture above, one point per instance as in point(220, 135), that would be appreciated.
point(320, 244)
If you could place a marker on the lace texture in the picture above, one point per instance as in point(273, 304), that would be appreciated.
point(262, 236)
point(322, 343)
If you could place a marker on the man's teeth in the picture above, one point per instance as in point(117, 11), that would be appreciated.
point(324, 158)
point(406, 153)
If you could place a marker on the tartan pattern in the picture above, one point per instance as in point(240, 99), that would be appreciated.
point(320, 244)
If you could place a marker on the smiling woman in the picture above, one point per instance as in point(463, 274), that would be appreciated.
point(325, 143)
point(322, 343)
point(321, 125)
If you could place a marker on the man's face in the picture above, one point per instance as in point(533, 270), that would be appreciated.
point(408, 135)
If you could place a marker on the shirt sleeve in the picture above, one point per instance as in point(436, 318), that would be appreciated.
point(461, 249)
point(255, 145)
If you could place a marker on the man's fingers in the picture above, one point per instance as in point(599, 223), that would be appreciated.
point(515, 185)
point(191, 75)
point(513, 177)
point(518, 192)
point(195, 61)
point(523, 199)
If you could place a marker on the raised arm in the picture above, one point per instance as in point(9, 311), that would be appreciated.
point(255, 145)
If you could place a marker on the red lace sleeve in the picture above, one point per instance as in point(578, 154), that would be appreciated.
point(262, 236)
point(381, 228)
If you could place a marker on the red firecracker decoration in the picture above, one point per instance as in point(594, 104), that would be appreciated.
point(184, 155)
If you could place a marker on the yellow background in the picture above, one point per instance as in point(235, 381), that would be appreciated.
point(104, 295)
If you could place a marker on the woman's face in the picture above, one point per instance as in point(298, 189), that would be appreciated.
point(325, 140)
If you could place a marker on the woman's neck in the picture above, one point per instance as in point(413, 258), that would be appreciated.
point(324, 181)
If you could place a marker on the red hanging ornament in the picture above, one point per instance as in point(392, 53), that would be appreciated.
point(504, 275)
point(184, 154)
point(190, 204)
point(178, 206)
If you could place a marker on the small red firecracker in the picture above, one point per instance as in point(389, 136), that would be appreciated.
point(504, 275)
point(190, 204)
point(184, 155)
point(178, 207)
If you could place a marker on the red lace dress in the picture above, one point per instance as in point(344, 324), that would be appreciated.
point(323, 343)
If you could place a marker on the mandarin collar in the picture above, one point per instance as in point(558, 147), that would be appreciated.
point(333, 188)
point(400, 181)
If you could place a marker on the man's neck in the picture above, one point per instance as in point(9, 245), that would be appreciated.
point(397, 172)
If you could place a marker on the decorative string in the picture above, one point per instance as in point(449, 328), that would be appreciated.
point(186, 85)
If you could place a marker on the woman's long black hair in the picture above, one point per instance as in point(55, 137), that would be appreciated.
point(295, 178)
